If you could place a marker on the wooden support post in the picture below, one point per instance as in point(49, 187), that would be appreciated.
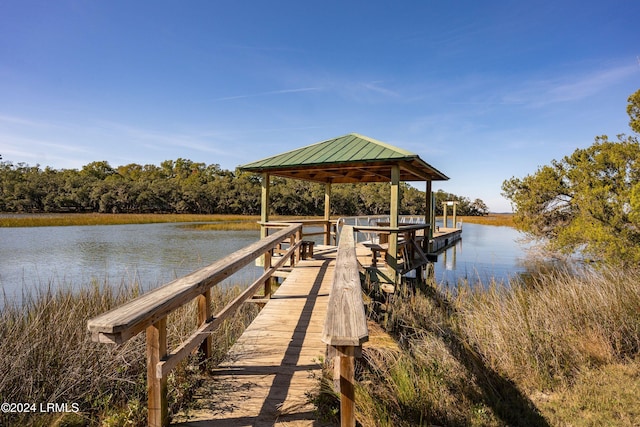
point(444, 214)
point(327, 213)
point(267, 266)
point(294, 240)
point(428, 210)
point(428, 233)
point(344, 370)
point(296, 255)
point(392, 254)
point(264, 205)
point(157, 387)
point(204, 315)
point(455, 218)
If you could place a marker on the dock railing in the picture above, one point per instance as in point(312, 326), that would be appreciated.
point(345, 327)
point(328, 228)
point(149, 312)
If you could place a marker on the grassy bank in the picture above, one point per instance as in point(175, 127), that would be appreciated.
point(205, 222)
point(46, 355)
point(43, 220)
point(563, 350)
point(504, 220)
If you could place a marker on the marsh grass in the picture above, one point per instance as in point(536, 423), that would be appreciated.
point(200, 222)
point(503, 220)
point(561, 349)
point(544, 333)
point(42, 220)
point(225, 226)
point(46, 355)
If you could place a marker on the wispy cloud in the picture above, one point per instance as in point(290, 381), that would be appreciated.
point(269, 93)
point(155, 139)
point(377, 87)
point(20, 121)
point(568, 88)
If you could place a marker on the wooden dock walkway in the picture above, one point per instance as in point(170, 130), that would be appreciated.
point(275, 366)
point(276, 363)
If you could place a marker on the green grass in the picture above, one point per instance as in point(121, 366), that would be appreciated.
point(46, 355)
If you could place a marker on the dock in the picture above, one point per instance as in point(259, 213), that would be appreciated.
point(443, 238)
point(276, 363)
point(273, 370)
point(273, 364)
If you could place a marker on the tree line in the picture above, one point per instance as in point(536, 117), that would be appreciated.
point(185, 186)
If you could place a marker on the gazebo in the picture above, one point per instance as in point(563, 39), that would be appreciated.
point(351, 158)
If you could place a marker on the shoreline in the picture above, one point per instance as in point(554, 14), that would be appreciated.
point(9, 219)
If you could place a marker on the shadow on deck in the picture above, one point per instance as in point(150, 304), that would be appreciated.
point(275, 365)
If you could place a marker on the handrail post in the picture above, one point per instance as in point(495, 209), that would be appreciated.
point(345, 360)
point(204, 315)
point(149, 313)
point(269, 280)
point(157, 387)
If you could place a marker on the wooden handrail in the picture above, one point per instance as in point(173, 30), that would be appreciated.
point(124, 322)
point(149, 312)
point(400, 229)
point(328, 225)
point(345, 326)
point(346, 322)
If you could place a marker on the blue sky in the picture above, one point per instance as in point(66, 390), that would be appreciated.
point(481, 90)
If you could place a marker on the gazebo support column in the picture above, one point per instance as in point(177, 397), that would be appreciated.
point(327, 213)
point(264, 205)
point(392, 254)
point(428, 216)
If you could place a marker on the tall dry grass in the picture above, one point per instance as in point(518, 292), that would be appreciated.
point(543, 333)
point(46, 355)
point(42, 220)
point(529, 354)
point(502, 220)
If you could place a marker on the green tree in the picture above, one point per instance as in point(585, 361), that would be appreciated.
point(586, 202)
point(589, 201)
point(633, 109)
point(478, 208)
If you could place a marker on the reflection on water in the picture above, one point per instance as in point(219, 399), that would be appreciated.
point(483, 254)
point(149, 254)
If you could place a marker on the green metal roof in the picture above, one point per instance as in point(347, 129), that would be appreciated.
point(349, 158)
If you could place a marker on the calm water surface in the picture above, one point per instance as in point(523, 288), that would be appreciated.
point(154, 254)
point(150, 254)
point(484, 253)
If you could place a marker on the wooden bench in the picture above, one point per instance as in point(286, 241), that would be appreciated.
point(306, 250)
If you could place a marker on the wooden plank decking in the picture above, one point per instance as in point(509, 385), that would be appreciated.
point(276, 362)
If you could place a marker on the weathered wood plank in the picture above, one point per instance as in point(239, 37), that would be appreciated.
point(346, 322)
point(346, 360)
point(204, 331)
point(157, 386)
point(275, 363)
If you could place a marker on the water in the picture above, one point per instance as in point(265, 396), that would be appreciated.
point(149, 254)
point(483, 254)
point(155, 254)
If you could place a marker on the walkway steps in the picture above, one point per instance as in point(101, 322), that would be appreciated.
point(275, 364)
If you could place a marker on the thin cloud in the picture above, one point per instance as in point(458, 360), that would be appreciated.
point(569, 88)
point(153, 139)
point(377, 88)
point(269, 93)
point(20, 121)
